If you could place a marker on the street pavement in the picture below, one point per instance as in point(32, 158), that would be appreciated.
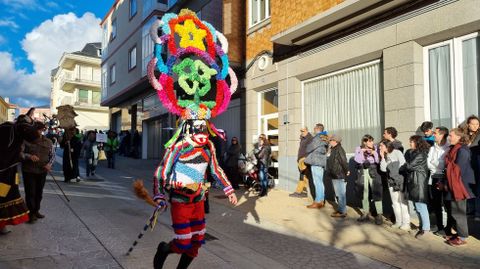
point(104, 217)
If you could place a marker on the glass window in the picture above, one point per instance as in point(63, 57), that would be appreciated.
point(470, 70)
point(112, 74)
point(83, 96)
point(452, 88)
point(114, 29)
point(132, 58)
point(104, 82)
point(96, 97)
point(147, 45)
point(133, 8)
point(440, 86)
point(269, 102)
point(347, 103)
point(259, 11)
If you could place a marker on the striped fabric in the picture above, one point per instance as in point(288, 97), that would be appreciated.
point(184, 166)
point(189, 226)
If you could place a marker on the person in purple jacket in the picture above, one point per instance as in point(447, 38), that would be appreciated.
point(368, 184)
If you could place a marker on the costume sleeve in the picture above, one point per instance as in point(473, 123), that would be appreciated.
point(217, 172)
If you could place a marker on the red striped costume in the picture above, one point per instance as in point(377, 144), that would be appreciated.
point(183, 176)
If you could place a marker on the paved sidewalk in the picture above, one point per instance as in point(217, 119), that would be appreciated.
point(103, 218)
point(385, 244)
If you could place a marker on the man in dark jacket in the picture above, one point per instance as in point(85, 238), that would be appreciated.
point(337, 168)
point(305, 138)
point(38, 157)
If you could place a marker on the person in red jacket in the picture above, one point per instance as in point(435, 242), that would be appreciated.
point(459, 177)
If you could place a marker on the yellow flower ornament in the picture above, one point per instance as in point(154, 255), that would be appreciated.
point(190, 35)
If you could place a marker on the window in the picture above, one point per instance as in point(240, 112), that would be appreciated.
point(452, 88)
point(105, 39)
point(346, 102)
point(268, 120)
point(112, 74)
point(96, 96)
point(104, 82)
point(82, 96)
point(147, 45)
point(132, 58)
point(133, 8)
point(114, 29)
point(259, 11)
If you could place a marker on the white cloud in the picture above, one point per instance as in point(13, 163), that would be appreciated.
point(52, 4)
point(9, 23)
point(44, 46)
point(21, 4)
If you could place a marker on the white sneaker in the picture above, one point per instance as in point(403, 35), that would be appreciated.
point(78, 179)
point(396, 225)
point(405, 227)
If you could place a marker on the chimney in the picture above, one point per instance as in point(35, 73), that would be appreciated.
point(7, 100)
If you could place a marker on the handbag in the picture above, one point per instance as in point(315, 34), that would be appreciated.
point(101, 155)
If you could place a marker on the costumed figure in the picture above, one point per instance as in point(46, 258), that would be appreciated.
point(70, 143)
point(195, 57)
point(13, 210)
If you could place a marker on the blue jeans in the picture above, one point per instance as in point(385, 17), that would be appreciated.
point(340, 187)
point(422, 212)
point(317, 174)
point(263, 176)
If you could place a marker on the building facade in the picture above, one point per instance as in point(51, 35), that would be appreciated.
point(358, 67)
point(76, 82)
point(126, 51)
point(42, 113)
point(4, 106)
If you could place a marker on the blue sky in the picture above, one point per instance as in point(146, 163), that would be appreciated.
point(33, 36)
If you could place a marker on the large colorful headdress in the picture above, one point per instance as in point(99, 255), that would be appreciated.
point(193, 54)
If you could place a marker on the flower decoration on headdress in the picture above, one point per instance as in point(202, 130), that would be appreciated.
point(196, 58)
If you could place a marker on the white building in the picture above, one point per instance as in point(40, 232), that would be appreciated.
point(77, 82)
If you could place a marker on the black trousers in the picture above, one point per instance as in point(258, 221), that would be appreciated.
point(437, 202)
point(34, 184)
point(233, 176)
point(459, 213)
point(311, 185)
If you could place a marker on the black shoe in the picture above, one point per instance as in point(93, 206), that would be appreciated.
point(40, 216)
point(185, 261)
point(298, 195)
point(420, 234)
point(440, 233)
point(263, 193)
point(163, 250)
point(379, 220)
point(32, 219)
